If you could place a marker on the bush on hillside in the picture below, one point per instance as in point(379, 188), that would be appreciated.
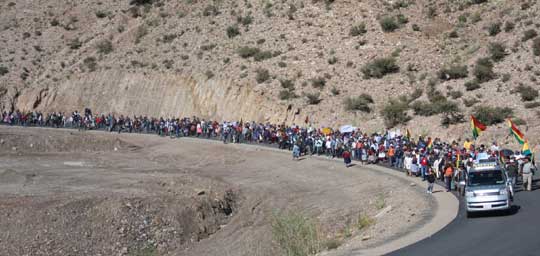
point(360, 103)
point(287, 94)
point(233, 31)
point(141, 2)
point(313, 98)
point(359, 29)
point(483, 71)
point(105, 47)
point(494, 29)
point(470, 102)
point(529, 34)
point(527, 93)
point(318, 82)
point(380, 67)
point(455, 94)
point(395, 113)
point(497, 51)
point(472, 85)
point(532, 104)
point(262, 75)
point(453, 72)
point(247, 52)
point(388, 24)
point(536, 47)
point(492, 115)
point(3, 70)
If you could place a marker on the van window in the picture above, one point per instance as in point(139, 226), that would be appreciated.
point(486, 178)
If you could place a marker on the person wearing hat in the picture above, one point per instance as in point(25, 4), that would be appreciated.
point(527, 173)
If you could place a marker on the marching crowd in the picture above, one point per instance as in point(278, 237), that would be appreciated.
point(428, 158)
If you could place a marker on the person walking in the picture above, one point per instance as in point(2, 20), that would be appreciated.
point(430, 177)
point(527, 173)
point(347, 158)
point(296, 152)
point(448, 175)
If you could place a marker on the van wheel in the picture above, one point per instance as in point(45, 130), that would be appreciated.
point(470, 214)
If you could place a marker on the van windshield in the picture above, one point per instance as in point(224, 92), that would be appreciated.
point(486, 178)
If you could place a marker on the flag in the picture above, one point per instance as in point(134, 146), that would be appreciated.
point(501, 158)
point(458, 159)
point(516, 132)
point(476, 127)
point(526, 150)
point(430, 143)
point(408, 134)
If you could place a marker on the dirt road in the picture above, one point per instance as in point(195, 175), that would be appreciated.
point(92, 193)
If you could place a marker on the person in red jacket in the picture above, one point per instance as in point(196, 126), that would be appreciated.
point(347, 158)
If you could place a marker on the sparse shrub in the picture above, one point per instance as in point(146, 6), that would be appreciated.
point(527, 93)
point(335, 91)
point(318, 82)
point(453, 34)
point(75, 44)
point(529, 34)
point(295, 234)
point(415, 27)
point(470, 102)
point(333, 60)
point(492, 115)
point(247, 52)
point(509, 26)
point(472, 85)
point(364, 221)
point(532, 104)
point(140, 33)
point(208, 47)
point(262, 75)
point(417, 93)
point(287, 84)
point(169, 38)
point(476, 17)
point(431, 12)
point(455, 94)
point(233, 31)
point(497, 51)
point(478, 1)
point(210, 10)
point(395, 112)
point(402, 19)
point(55, 22)
point(506, 77)
point(483, 71)
point(462, 18)
point(282, 64)
point(101, 14)
point(246, 21)
point(360, 103)
point(388, 24)
point(105, 47)
point(209, 74)
point(313, 98)
point(494, 29)
point(3, 70)
point(380, 67)
point(168, 64)
point(453, 72)
point(359, 29)
point(90, 63)
point(286, 94)
point(141, 2)
point(263, 55)
point(536, 47)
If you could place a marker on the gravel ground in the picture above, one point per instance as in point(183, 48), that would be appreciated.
point(94, 193)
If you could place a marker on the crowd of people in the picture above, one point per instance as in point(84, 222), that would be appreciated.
point(424, 157)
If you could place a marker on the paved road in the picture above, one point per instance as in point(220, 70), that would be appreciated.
point(488, 234)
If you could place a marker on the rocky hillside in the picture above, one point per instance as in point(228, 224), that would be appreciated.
point(372, 63)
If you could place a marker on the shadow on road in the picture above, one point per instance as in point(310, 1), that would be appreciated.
point(512, 211)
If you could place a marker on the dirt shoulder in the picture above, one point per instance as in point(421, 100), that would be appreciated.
point(176, 173)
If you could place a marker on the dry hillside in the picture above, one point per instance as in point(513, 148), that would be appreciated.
point(372, 63)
